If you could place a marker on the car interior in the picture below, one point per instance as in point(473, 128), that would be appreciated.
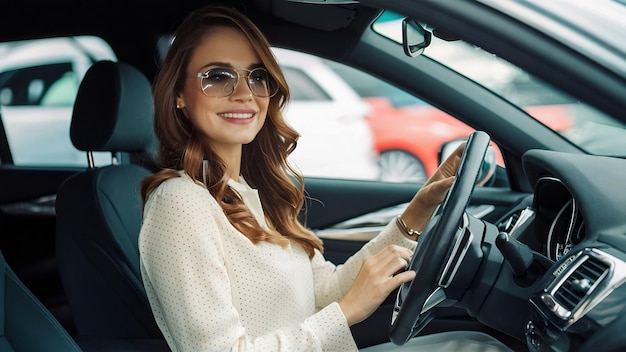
point(538, 254)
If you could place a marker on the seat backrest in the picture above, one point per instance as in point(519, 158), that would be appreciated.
point(25, 323)
point(99, 210)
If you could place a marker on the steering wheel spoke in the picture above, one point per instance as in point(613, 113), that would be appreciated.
point(438, 296)
point(462, 240)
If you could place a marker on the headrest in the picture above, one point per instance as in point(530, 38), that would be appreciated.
point(113, 110)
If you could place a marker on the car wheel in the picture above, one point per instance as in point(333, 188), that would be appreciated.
point(400, 166)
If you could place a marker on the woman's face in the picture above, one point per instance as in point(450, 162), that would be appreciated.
point(227, 122)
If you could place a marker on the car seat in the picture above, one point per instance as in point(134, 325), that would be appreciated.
point(99, 210)
point(25, 323)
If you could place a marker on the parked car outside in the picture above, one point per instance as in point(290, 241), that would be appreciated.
point(336, 140)
point(38, 84)
point(409, 151)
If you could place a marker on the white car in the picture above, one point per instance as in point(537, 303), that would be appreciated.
point(38, 85)
point(324, 107)
point(39, 81)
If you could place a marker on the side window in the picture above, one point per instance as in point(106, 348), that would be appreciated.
point(408, 133)
point(354, 125)
point(39, 81)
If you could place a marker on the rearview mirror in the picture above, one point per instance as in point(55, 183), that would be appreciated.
point(488, 167)
point(414, 37)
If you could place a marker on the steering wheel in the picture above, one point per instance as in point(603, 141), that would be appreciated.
point(438, 251)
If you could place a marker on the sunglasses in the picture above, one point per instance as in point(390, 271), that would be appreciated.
point(222, 82)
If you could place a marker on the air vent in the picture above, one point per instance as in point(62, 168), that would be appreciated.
point(580, 283)
point(582, 280)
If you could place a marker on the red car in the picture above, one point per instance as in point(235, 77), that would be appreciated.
point(408, 148)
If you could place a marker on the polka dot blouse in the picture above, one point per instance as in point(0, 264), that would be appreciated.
point(211, 289)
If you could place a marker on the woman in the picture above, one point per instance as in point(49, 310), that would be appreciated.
point(225, 262)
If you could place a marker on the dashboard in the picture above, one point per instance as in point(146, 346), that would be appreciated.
point(579, 223)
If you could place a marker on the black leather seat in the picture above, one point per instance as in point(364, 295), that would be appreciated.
point(99, 210)
point(25, 324)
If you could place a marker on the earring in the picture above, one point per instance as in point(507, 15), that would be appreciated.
point(205, 166)
point(178, 106)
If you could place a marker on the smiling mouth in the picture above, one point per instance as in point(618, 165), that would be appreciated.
point(237, 115)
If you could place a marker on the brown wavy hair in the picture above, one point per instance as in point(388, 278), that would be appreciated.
point(264, 161)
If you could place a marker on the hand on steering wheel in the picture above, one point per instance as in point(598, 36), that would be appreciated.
point(437, 252)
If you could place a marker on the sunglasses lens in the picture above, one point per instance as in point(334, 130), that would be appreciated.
point(261, 84)
point(219, 82)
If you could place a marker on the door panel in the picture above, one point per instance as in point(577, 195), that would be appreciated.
point(330, 201)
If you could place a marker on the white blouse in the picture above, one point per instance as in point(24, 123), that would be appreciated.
point(211, 289)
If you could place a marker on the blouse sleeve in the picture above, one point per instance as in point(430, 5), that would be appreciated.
point(183, 269)
point(333, 281)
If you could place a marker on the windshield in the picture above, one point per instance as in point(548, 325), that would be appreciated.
point(583, 125)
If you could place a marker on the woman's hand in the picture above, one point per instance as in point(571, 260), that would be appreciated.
point(434, 191)
point(380, 274)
